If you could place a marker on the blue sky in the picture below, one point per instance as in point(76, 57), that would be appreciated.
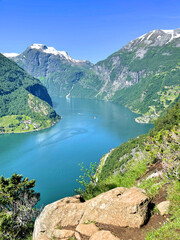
point(85, 29)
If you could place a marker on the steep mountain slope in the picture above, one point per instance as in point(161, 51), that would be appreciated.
point(24, 101)
point(143, 75)
point(60, 73)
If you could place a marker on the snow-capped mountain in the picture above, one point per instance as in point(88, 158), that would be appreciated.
point(154, 38)
point(53, 51)
point(144, 70)
point(56, 69)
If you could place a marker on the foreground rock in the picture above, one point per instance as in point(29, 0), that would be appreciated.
point(119, 207)
point(163, 207)
point(87, 229)
point(65, 212)
point(61, 234)
point(103, 235)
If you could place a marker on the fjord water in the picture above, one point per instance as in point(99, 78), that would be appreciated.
point(88, 129)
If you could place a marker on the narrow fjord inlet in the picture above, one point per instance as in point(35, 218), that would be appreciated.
point(88, 129)
point(90, 120)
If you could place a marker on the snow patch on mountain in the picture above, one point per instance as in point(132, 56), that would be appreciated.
point(174, 34)
point(168, 31)
point(37, 46)
point(10, 55)
point(51, 50)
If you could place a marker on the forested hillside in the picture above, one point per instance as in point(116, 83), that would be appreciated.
point(24, 101)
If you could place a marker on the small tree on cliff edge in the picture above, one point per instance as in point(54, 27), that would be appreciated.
point(17, 201)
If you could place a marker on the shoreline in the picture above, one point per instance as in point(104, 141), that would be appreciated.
point(35, 130)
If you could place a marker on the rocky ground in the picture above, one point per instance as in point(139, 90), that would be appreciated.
point(120, 213)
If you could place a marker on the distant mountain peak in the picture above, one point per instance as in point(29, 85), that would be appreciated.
point(153, 38)
point(47, 50)
point(160, 33)
point(53, 51)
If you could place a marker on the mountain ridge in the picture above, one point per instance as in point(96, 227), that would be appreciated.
point(175, 33)
point(126, 76)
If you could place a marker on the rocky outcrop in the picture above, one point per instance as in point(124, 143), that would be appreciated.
point(65, 212)
point(119, 207)
point(60, 234)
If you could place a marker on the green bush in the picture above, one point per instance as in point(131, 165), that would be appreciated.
point(17, 202)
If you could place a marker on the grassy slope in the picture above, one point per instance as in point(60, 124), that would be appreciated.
point(131, 164)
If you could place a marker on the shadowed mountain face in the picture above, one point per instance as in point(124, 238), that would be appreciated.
point(21, 94)
point(143, 75)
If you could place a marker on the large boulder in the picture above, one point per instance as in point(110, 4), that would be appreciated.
point(119, 207)
point(65, 212)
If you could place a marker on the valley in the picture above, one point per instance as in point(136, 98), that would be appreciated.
point(120, 123)
point(137, 76)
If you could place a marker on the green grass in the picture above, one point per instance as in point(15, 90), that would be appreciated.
point(165, 98)
point(171, 228)
point(17, 124)
point(72, 238)
point(166, 232)
point(7, 120)
point(133, 170)
point(29, 238)
point(89, 222)
point(152, 186)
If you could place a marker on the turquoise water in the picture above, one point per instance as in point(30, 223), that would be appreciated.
point(88, 129)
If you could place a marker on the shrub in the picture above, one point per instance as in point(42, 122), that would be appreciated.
point(17, 201)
